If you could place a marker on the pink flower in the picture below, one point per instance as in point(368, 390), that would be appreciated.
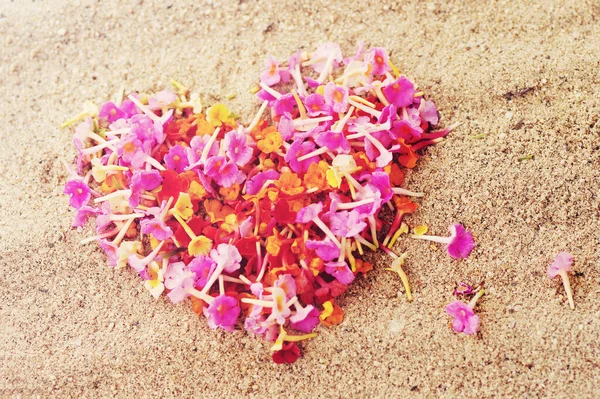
point(224, 172)
point(287, 283)
point(156, 226)
point(347, 224)
point(560, 267)
point(340, 271)
point(176, 159)
point(161, 99)
point(465, 320)
point(79, 191)
point(326, 249)
point(203, 267)
point(270, 75)
point(197, 145)
point(319, 58)
point(378, 58)
point(82, 215)
point(236, 148)
point(316, 105)
point(400, 93)
point(298, 149)
point(254, 184)
point(143, 180)
point(111, 112)
point(336, 97)
point(334, 141)
point(227, 257)
point(305, 319)
point(178, 279)
point(428, 112)
point(284, 105)
point(459, 244)
point(222, 312)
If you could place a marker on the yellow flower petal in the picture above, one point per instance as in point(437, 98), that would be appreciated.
point(420, 230)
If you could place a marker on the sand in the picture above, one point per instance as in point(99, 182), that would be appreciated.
point(525, 75)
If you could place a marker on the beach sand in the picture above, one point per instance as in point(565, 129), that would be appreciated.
point(522, 76)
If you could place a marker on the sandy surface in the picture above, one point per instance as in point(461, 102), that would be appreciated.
point(524, 74)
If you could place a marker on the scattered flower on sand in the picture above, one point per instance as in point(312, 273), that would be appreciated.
point(464, 318)
point(459, 244)
point(560, 267)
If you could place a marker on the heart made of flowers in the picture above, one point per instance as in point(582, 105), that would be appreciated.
point(261, 225)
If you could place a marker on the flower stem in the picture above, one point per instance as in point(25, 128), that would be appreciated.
point(567, 284)
point(402, 191)
point(440, 240)
point(475, 298)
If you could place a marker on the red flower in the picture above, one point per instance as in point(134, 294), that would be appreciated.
point(288, 354)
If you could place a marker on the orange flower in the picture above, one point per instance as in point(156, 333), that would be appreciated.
point(396, 175)
point(363, 267)
point(332, 315)
point(113, 182)
point(271, 140)
point(289, 183)
point(273, 244)
point(216, 211)
point(230, 193)
point(316, 176)
point(204, 126)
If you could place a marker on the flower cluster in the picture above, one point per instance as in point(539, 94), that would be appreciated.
point(260, 225)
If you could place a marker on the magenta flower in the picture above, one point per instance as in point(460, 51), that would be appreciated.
point(560, 267)
point(156, 226)
point(325, 249)
point(176, 159)
point(316, 105)
point(428, 112)
point(309, 214)
point(236, 148)
point(270, 75)
point(465, 320)
point(111, 112)
point(83, 214)
point(179, 279)
point(223, 312)
point(340, 271)
point(203, 267)
point(284, 105)
point(197, 144)
point(143, 180)
point(406, 130)
point(334, 141)
point(305, 319)
point(379, 61)
point(400, 93)
point(459, 244)
point(110, 249)
point(146, 130)
point(79, 191)
point(347, 224)
point(254, 184)
point(336, 97)
point(298, 149)
point(224, 172)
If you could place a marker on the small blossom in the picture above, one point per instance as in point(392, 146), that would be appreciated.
point(465, 320)
point(176, 159)
point(223, 312)
point(379, 61)
point(459, 244)
point(316, 105)
point(236, 148)
point(79, 191)
point(288, 354)
point(560, 267)
point(336, 97)
point(400, 93)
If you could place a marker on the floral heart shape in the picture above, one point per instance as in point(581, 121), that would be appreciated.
point(266, 222)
